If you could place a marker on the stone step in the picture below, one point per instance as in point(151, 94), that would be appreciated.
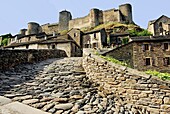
point(19, 108)
point(4, 101)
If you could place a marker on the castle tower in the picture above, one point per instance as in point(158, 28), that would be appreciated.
point(23, 31)
point(94, 17)
point(64, 18)
point(33, 28)
point(126, 11)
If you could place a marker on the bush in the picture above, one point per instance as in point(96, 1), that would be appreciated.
point(163, 76)
point(139, 33)
point(125, 40)
point(4, 41)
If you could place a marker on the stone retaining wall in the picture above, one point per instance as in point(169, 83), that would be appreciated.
point(10, 58)
point(134, 91)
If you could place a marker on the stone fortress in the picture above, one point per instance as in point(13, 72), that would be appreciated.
point(94, 18)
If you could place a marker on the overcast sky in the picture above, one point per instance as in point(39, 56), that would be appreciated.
point(15, 14)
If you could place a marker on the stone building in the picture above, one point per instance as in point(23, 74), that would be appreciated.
point(76, 35)
point(117, 38)
point(64, 42)
point(144, 53)
point(160, 26)
point(19, 38)
point(95, 39)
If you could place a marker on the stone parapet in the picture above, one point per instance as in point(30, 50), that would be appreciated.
point(11, 58)
point(134, 91)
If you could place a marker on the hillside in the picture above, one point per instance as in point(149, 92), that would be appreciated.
point(115, 27)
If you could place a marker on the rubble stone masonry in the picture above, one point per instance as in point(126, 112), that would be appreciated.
point(10, 58)
point(134, 91)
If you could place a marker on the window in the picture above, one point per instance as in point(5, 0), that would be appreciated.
point(95, 45)
point(29, 38)
point(146, 46)
point(160, 24)
point(75, 34)
point(165, 46)
point(87, 45)
point(94, 35)
point(27, 46)
point(166, 61)
point(148, 61)
point(53, 46)
point(75, 49)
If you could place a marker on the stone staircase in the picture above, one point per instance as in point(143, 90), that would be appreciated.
point(56, 86)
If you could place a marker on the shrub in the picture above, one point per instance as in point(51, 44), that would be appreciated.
point(5, 41)
point(125, 40)
point(139, 33)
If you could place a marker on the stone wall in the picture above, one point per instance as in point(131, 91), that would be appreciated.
point(156, 53)
point(10, 58)
point(50, 28)
point(80, 22)
point(134, 91)
point(124, 53)
point(111, 15)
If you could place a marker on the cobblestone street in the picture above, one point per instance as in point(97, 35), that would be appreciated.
point(57, 86)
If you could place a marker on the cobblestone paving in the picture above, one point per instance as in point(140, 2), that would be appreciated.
point(57, 86)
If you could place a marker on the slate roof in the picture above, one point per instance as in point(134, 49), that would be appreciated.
point(154, 21)
point(143, 39)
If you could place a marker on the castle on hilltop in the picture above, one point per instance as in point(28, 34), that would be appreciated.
point(94, 18)
point(67, 34)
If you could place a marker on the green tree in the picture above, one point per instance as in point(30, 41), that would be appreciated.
point(5, 41)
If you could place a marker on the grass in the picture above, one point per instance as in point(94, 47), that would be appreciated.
point(63, 32)
point(163, 76)
point(109, 25)
point(113, 60)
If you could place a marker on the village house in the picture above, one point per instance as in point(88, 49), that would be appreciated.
point(63, 42)
point(95, 39)
point(118, 39)
point(160, 26)
point(76, 35)
point(145, 53)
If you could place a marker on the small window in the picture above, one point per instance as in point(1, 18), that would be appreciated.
point(94, 35)
point(87, 45)
point(29, 38)
point(166, 61)
point(166, 45)
point(53, 46)
point(160, 24)
point(75, 34)
point(146, 46)
point(148, 61)
point(75, 49)
point(27, 46)
point(95, 45)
